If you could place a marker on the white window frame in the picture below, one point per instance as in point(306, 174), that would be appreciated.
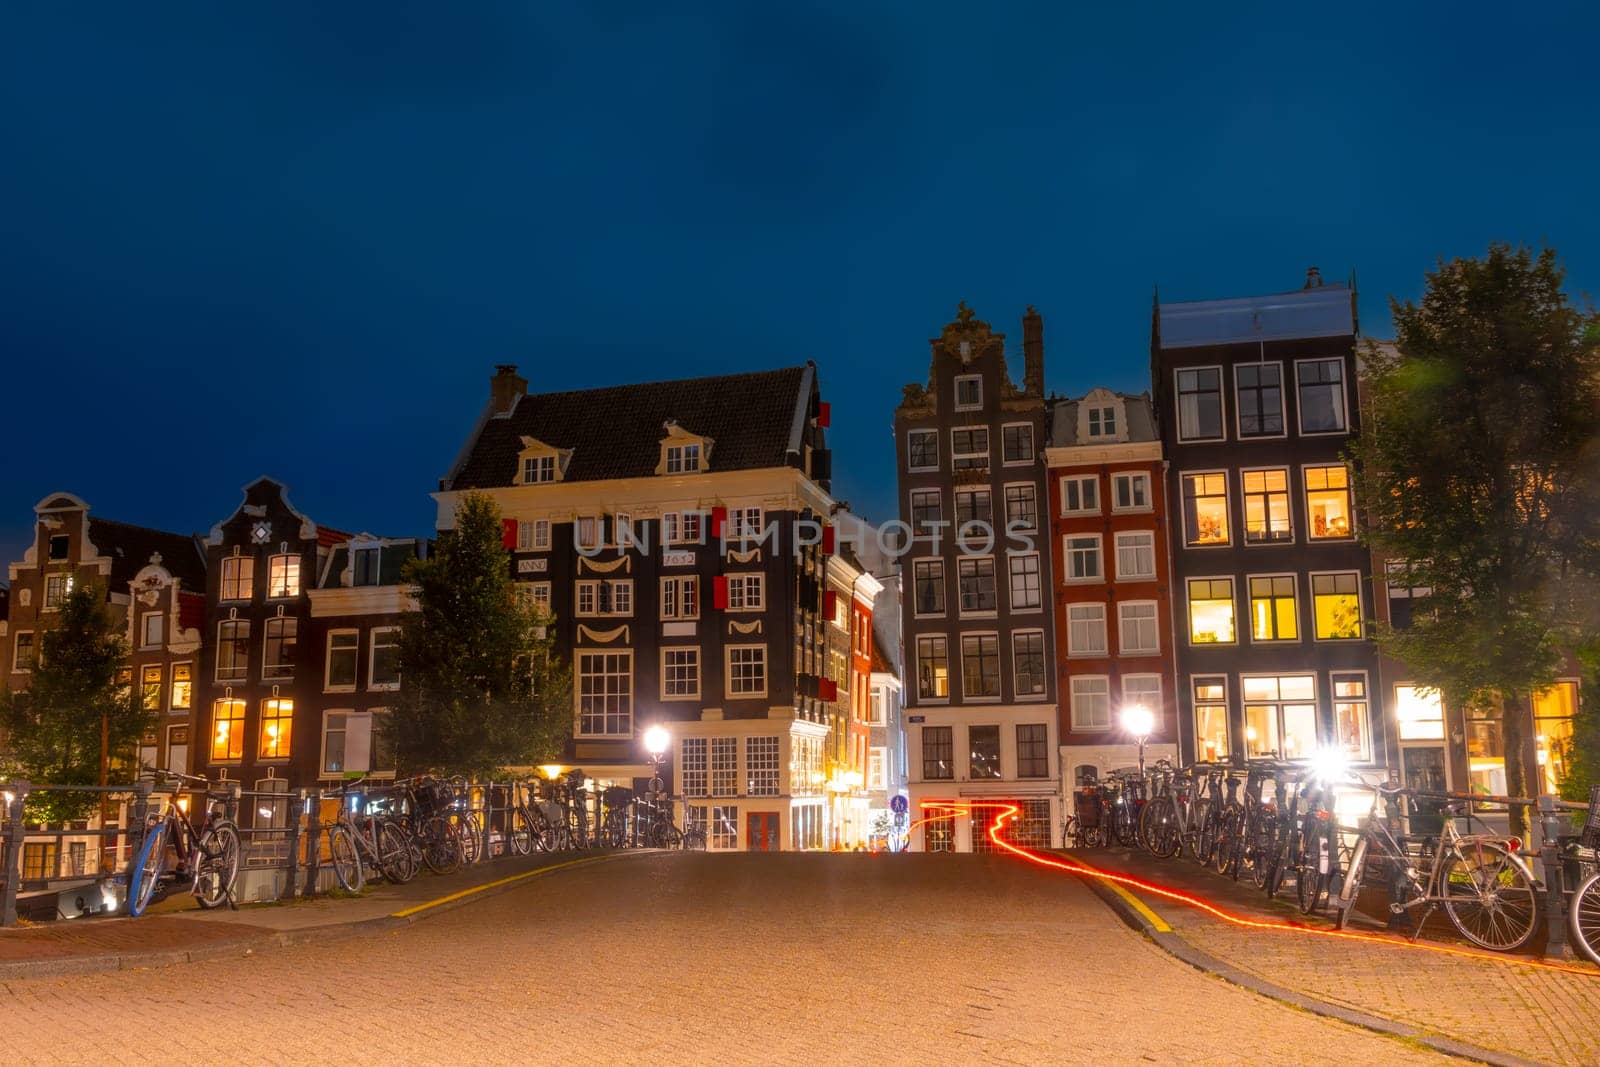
point(284, 669)
point(532, 470)
point(1250, 610)
point(1005, 503)
point(291, 562)
point(1016, 686)
point(524, 535)
point(1135, 576)
point(1155, 627)
point(1344, 396)
point(1155, 706)
point(1090, 612)
point(1000, 670)
point(539, 594)
point(684, 458)
point(677, 583)
point(1361, 607)
point(620, 590)
point(1132, 478)
point(33, 661)
point(994, 577)
point(327, 662)
point(238, 564)
point(1222, 402)
point(1244, 507)
point(1101, 410)
point(1011, 582)
point(944, 589)
point(1349, 496)
point(1033, 451)
point(751, 589)
point(699, 672)
point(745, 523)
point(911, 509)
point(1067, 550)
point(1078, 725)
point(916, 649)
point(728, 674)
point(955, 396)
point(1188, 617)
point(577, 690)
point(65, 579)
point(1079, 479)
point(372, 658)
point(1189, 544)
point(910, 434)
point(1238, 430)
point(160, 618)
point(957, 457)
point(245, 670)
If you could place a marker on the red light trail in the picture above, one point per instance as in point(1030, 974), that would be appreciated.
point(1072, 866)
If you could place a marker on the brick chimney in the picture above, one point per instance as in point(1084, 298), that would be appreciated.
point(1032, 353)
point(505, 387)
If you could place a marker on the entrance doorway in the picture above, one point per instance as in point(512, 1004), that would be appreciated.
point(762, 831)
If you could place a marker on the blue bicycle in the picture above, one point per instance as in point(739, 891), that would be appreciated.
point(208, 860)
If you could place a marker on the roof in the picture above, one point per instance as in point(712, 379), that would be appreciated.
point(392, 558)
point(882, 662)
point(130, 548)
point(1138, 419)
point(1324, 311)
point(616, 432)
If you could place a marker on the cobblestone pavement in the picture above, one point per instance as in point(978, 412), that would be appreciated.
point(694, 958)
point(1545, 1015)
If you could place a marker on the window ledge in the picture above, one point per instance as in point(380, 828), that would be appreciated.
point(338, 689)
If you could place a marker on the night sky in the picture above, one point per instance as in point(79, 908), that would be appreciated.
point(294, 239)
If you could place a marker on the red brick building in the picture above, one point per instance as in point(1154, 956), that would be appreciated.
point(1113, 603)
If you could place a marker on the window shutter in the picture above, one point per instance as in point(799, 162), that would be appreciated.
point(827, 540)
point(830, 603)
point(827, 688)
point(824, 411)
point(719, 592)
point(508, 534)
point(719, 520)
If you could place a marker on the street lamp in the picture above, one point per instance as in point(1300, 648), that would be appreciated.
point(1138, 721)
point(658, 742)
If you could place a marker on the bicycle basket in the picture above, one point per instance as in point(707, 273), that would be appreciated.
point(433, 797)
point(617, 796)
point(1590, 838)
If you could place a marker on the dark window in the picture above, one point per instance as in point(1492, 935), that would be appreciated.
point(980, 665)
point(938, 753)
point(58, 546)
point(969, 449)
point(366, 569)
point(1321, 395)
point(1022, 507)
point(972, 505)
point(1260, 399)
point(976, 575)
point(930, 586)
point(1200, 404)
point(1027, 651)
point(925, 509)
point(1033, 757)
point(985, 742)
point(922, 449)
point(1018, 443)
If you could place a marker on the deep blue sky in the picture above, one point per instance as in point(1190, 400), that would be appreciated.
point(293, 239)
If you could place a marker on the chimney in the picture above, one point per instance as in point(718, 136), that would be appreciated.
point(1314, 278)
point(1032, 353)
point(505, 387)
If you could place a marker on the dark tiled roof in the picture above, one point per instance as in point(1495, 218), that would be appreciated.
point(882, 662)
point(130, 548)
point(616, 432)
point(1139, 422)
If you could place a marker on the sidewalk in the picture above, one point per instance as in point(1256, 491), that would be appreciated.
point(176, 931)
point(1497, 1012)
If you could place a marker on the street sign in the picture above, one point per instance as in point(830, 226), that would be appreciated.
point(898, 804)
point(917, 718)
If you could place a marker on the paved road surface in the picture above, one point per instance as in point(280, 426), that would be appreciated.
point(695, 958)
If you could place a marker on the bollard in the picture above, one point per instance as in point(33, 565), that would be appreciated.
point(1551, 824)
point(14, 833)
point(291, 880)
point(313, 844)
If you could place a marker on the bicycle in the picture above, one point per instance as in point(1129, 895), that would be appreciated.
point(362, 838)
point(211, 856)
point(1583, 910)
point(436, 841)
point(1487, 890)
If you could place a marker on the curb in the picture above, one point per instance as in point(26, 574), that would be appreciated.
point(69, 966)
point(1173, 943)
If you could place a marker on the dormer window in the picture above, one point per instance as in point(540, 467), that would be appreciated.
point(969, 392)
point(1103, 422)
point(541, 464)
point(683, 452)
point(683, 459)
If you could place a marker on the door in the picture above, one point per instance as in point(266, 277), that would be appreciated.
point(762, 831)
point(1424, 769)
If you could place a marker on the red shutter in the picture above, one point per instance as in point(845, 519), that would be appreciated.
point(719, 592)
point(830, 604)
point(824, 410)
point(508, 533)
point(719, 519)
point(827, 540)
point(827, 688)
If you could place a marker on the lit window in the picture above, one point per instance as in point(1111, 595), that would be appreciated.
point(1280, 716)
point(969, 448)
point(277, 720)
point(975, 575)
point(283, 576)
point(1025, 586)
point(1016, 441)
point(1266, 507)
point(1130, 492)
point(1553, 711)
point(1211, 611)
point(1022, 507)
point(1080, 495)
point(933, 667)
point(683, 459)
point(233, 650)
point(586, 532)
point(761, 767)
point(1273, 614)
point(1082, 553)
point(384, 670)
point(605, 694)
point(342, 657)
point(1350, 717)
point(747, 670)
point(1211, 718)
point(1027, 661)
point(1091, 702)
point(1328, 502)
point(238, 578)
point(724, 828)
point(227, 730)
point(182, 686)
point(680, 673)
point(537, 469)
point(1336, 599)
point(1419, 711)
point(747, 592)
point(1136, 555)
point(1259, 392)
point(1200, 404)
point(928, 576)
point(1086, 629)
point(277, 662)
point(969, 392)
point(1205, 509)
point(922, 450)
point(150, 687)
point(980, 665)
point(1322, 398)
point(57, 587)
point(1137, 630)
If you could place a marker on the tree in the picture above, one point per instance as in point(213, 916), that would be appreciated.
point(1478, 468)
point(481, 688)
point(55, 724)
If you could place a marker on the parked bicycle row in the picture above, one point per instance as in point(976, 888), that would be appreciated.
point(1274, 824)
point(391, 830)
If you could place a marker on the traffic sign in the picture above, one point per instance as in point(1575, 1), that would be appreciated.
point(898, 804)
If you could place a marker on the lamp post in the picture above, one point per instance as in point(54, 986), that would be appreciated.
point(1138, 721)
point(657, 743)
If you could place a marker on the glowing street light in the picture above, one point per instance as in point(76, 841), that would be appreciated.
point(656, 742)
point(1138, 721)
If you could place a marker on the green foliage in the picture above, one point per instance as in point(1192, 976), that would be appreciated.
point(54, 725)
point(480, 688)
point(1479, 465)
point(1584, 755)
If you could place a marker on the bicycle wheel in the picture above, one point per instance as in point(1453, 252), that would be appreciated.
point(1311, 879)
point(1583, 919)
point(145, 874)
point(694, 840)
point(1287, 857)
point(217, 867)
point(1350, 887)
point(441, 845)
point(519, 831)
point(1222, 858)
point(395, 858)
point(1201, 838)
point(1489, 896)
point(669, 836)
point(346, 860)
point(1161, 828)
